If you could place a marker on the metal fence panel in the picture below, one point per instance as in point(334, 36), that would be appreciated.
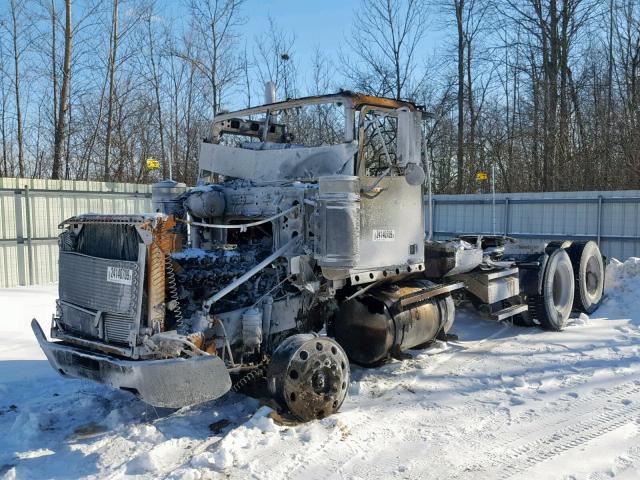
point(610, 218)
point(31, 209)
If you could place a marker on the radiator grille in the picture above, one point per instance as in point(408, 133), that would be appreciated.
point(117, 328)
point(95, 302)
point(83, 282)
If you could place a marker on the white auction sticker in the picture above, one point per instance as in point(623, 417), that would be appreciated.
point(384, 235)
point(121, 275)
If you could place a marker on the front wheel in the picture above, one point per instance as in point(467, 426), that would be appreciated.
point(309, 375)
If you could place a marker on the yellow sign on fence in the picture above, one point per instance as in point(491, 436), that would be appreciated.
point(153, 164)
point(482, 176)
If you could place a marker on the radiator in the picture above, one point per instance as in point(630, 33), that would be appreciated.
point(99, 298)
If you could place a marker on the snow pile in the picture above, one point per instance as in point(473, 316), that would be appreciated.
point(164, 456)
point(623, 273)
point(622, 288)
point(237, 446)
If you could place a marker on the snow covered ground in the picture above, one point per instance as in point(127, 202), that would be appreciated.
point(503, 402)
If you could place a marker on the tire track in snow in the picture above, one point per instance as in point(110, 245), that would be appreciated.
point(556, 432)
point(317, 455)
point(557, 428)
point(630, 459)
point(560, 441)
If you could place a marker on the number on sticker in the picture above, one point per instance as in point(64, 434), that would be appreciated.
point(123, 276)
point(385, 235)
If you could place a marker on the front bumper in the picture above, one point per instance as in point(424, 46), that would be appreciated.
point(172, 383)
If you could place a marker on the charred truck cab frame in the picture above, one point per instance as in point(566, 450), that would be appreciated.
point(294, 254)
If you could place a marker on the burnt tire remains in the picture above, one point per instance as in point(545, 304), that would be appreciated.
point(588, 270)
point(309, 375)
point(552, 307)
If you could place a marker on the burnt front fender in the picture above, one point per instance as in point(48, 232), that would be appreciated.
point(171, 383)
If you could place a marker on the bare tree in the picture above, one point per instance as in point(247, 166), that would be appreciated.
point(113, 49)
point(275, 59)
point(154, 59)
point(54, 62)
point(64, 95)
point(246, 74)
point(321, 77)
point(384, 41)
point(214, 23)
point(552, 30)
point(16, 85)
point(4, 101)
point(459, 10)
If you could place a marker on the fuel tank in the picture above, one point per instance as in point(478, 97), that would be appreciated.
point(385, 321)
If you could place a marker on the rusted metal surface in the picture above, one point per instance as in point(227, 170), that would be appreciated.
point(310, 375)
point(108, 218)
point(357, 100)
point(392, 318)
point(163, 243)
point(414, 297)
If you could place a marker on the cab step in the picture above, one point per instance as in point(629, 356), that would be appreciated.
point(508, 312)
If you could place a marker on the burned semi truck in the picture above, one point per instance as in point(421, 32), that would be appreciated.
point(296, 253)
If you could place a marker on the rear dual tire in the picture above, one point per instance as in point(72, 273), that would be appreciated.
point(553, 306)
point(573, 280)
point(588, 271)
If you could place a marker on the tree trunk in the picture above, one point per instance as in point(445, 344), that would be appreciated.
point(88, 150)
point(459, 6)
point(166, 173)
point(112, 71)
point(54, 65)
point(16, 62)
point(64, 95)
point(3, 117)
point(67, 153)
point(608, 157)
point(472, 111)
point(551, 134)
point(187, 175)
point(563, 156)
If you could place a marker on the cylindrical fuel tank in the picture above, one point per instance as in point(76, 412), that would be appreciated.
point(375, 325)
point(337, 232)
point(164, 196)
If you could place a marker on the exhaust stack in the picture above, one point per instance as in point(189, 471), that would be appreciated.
point(269, 93)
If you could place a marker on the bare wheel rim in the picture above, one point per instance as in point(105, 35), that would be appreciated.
point(593, 272)
point(558, 291)
point(316, 378)
point(562, 278)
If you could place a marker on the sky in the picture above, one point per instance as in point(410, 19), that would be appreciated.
point(320, 24)
point(316, 23)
